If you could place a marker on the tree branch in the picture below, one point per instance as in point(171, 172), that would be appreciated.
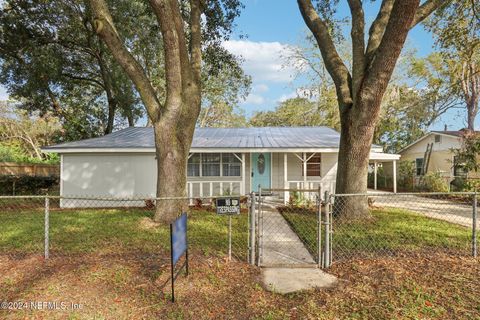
point(358, 45)
point(166, 11)
point(378, 28)
point(333, 63)
point(386, 56)
point(196, 38)
point(105, 28)
point(426, 9)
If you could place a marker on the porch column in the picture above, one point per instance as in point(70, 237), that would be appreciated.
point(394, 176)
point(243, 187)
point(375, 172)
point(286, 194)
point(304, 170)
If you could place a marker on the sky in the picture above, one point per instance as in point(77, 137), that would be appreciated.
point(263, 31)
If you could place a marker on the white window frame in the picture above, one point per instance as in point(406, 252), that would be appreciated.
point(201, 163)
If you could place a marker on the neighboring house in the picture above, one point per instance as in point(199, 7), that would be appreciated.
point(222, 161)
point(442, 158)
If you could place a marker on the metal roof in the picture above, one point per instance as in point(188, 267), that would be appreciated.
point(218, 138)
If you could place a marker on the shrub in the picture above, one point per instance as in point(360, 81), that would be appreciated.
point(434, 182)
point(28, 185)
point(471, 185)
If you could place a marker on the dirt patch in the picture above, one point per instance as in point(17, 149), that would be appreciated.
point(134, 287)
point(147, 223)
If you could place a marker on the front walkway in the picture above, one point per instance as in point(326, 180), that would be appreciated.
point(279, 244)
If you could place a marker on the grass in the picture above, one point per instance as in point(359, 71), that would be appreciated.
point(388, 231)
point(114, 263)
point(108, 231)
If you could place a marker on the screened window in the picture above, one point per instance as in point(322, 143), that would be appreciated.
point(193, 167)
point(231, 165)
point(211, 164)
point(419, 166)
point(438, 138)
point(314, 165)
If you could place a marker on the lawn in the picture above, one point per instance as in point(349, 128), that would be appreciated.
point(114, 231)
point(388, 232)
point(114, 264)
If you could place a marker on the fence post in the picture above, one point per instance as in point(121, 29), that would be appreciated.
point(260, 225)
point(47, 224)
point(319, 228)
point(474, 226)
point(327, 231)
point(252, 229)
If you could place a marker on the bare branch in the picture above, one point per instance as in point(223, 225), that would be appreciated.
point(105, 28)
point(333, 63)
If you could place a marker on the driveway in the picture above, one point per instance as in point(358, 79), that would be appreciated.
point(442, 209)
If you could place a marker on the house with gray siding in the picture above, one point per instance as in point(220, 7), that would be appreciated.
point(221, 161)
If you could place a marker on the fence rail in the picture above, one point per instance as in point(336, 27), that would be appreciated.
point(28, 169)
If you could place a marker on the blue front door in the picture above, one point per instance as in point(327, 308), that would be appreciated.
point(261, 170)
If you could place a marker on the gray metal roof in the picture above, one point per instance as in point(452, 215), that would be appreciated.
point(209, 138)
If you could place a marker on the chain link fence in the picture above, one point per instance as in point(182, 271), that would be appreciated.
point(288, 233)
point(373, 225)
point(73, 226)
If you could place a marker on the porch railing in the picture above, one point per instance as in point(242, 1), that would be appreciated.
point(322, 185)
point(214, 188)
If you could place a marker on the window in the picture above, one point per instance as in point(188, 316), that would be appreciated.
point(459, 168)
point(438, 138)
point(214, 165)
point(211, 164)
point(419, 166)
point(314, 165)
point(193, 167)
point(231, 165)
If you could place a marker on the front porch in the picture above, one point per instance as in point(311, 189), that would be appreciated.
point(217, 174)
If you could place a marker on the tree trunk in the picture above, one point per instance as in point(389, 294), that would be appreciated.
point(357, 129)
point(112, 106)
point(172, 150)
point(471, 115)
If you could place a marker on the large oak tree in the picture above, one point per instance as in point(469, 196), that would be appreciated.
point(360, 92)
point(174, 112)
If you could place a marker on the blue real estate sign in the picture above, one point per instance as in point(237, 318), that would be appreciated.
point(179, 247)
point(179, 238)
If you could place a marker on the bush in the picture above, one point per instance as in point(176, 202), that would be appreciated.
point(434, 182)
point(470, 185)
point(28, 185)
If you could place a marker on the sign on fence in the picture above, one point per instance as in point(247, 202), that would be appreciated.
point(228, 206)
point(179, 247)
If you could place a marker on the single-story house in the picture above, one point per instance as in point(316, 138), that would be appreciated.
point(222, 161)
point(434, 153)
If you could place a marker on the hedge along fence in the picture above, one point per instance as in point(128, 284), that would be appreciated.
point(24, 184)
point(29, 169)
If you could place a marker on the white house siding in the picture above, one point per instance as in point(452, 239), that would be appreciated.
point(107, 175)
point(134, 175)
point(441, 159)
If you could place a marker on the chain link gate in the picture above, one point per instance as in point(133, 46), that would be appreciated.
point(288, 233)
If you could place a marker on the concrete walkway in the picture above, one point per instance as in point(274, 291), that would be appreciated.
point(279, 244)
point(288, 280)
point(442, 209)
